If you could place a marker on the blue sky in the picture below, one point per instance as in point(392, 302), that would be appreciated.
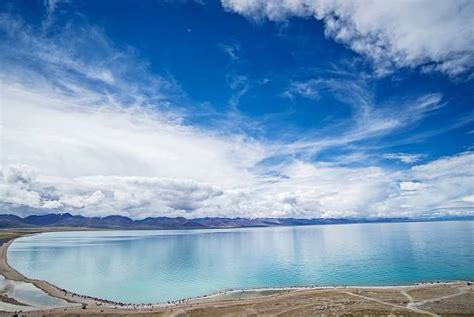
point(237, 108)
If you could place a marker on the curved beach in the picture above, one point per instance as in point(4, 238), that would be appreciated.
point(10, 273)
point(358, 299)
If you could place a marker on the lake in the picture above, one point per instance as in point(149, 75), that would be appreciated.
point(161, 265)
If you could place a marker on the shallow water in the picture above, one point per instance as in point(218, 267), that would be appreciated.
point(28, 294)
point(156, 266)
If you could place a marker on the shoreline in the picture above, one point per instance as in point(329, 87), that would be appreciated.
point(11, 274)
point(54, 291)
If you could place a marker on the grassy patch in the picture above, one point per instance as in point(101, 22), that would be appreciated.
point(6, 235)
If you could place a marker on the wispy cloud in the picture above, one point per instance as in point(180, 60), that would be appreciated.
point(404, 157)
point(51, 6)
point(232, 50)
point(239, 84)
point(369, 119)
point(307, 89)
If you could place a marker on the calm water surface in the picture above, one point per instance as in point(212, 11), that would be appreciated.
point(27, 294)
point(156, 266)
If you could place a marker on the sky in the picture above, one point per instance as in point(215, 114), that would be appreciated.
point(237, 108)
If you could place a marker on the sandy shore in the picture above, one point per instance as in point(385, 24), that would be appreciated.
point(420, 299)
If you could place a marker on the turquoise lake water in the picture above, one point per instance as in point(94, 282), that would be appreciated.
point(156, 266)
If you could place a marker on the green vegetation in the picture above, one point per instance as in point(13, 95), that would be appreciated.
point(7, 235)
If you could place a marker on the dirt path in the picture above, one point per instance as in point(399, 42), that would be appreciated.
point(414, 309)
point(410, 298)
point(461, 291)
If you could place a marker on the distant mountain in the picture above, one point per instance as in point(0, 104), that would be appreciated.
point(121, 222)
point(11, 221)
point(47, 220)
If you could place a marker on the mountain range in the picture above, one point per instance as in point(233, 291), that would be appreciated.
point(121, 222)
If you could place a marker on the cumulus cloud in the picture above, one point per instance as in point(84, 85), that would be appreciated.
point(132, 196)
point(434, 35)
point(306, 190)
point(437, 187)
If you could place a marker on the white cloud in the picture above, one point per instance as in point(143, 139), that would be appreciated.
point(410, 186)
point(369, 119)
point(239, 84)
point(404, 157)
point(61, 138)
point(303, 189)
point(435, 35)
point(309, 89)
point(468, 199)
point(97, 135)
point(438, 187)
point(75, 118)
point(232, 50)
point(51, 5)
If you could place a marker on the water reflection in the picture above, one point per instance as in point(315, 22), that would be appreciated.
point(26, 293)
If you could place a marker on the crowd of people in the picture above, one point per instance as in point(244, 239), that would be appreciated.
point(117, 304)
point(86, 299)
